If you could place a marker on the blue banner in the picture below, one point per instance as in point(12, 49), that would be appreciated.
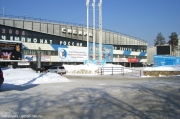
point(160, 60)
point(107, 52)
point(95, 62)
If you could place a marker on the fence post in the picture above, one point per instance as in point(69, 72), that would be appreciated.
point(101, 70)
point(112, 71)
point(123, 71)
point(132, 71)
point(140, 73)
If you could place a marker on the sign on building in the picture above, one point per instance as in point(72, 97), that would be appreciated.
point(10, 51)
point(160, 60)
point(72, 54)
point(163, 50)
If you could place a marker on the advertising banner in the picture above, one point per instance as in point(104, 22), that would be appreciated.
point(23, 63)
point(95, 62)
point(107, 52)
point(160, 60)
point(10, 51)
point(16, 34)
point(132, 59)
point(120, 60)
point(72, 55)
point(32, 58)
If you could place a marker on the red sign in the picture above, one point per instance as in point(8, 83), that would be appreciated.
point(132, 59)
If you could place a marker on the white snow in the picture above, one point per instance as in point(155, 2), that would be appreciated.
point(163, 68)
point(27, 76)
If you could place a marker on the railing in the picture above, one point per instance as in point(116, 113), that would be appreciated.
point(119, 70)
point(133, 72)
point(111, 70)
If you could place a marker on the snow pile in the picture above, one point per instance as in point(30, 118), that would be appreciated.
point(81, 69)
point(91, 69)
point(24, 76)
point(163, 68)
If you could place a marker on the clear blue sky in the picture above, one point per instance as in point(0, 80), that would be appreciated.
point(138, 18)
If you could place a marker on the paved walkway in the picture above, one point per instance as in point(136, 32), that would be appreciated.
point(94, 97)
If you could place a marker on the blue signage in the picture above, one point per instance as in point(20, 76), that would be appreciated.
point(160, 60)
point(107, 52)
point(95, 62)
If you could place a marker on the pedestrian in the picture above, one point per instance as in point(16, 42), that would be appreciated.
point(1, 54)
point(1, 78)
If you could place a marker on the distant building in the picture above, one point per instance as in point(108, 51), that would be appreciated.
point(151, 51)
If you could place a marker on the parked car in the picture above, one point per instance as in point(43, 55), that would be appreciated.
point(150, 65)
point(57, 69)
point(46, 67)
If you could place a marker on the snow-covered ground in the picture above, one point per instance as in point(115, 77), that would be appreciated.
point(77, 97)
point(163, 68)
point(27, 76)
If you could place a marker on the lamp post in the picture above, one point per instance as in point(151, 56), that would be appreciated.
point(38, 60)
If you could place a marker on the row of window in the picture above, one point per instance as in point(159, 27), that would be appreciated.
point(131, 48)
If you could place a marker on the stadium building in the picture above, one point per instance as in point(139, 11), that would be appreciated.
point(52, 37)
